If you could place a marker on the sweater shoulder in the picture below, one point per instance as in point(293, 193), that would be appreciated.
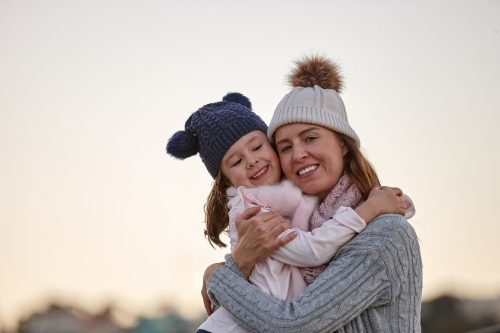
point(384, 230)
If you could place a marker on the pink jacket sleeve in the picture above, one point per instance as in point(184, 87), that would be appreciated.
point(314, 248)
point(410, 207)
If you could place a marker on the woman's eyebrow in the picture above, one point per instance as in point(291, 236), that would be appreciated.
point(282, 141)
point(300, 134)
point(307, 130)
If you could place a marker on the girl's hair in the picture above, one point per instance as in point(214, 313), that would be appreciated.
point(357, 166)
point(216, 211)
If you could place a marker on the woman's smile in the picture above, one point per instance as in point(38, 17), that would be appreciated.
point(307, 170)
point(311, 156)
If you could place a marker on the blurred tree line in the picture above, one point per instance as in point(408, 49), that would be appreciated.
point(445, 314)
point(448, 314)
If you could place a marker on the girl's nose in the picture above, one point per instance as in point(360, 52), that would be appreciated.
point(252, 161)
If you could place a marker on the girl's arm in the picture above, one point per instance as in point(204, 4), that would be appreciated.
point(380, 265)
point(320, 245)
point(316, 247)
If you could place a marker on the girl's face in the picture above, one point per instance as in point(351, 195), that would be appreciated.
point(251, 162)
point(311, 156)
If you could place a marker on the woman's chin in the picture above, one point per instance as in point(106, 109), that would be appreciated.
point(315, 186)
point(309, 188)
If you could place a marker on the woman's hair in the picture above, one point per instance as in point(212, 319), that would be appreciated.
point(216, 211)
point(357, 166)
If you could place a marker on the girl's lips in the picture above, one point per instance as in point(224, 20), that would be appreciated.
point(261, 173)
point(307, 169)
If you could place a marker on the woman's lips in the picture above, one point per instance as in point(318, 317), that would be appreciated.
point(308, 169)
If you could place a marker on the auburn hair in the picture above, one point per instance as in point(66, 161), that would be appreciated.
point(357, 166)
point(216, 211)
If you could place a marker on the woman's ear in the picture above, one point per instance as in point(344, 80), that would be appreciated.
point(345, 150)
point(342, 141)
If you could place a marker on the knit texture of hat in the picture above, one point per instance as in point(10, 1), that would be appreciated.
point(213, 129)
point(314, 98)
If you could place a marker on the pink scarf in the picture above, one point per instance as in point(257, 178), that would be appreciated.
point(346, 194)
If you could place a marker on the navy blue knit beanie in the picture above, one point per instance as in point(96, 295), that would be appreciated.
point(213, 129)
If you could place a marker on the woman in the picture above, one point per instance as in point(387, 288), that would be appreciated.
point(374, 283)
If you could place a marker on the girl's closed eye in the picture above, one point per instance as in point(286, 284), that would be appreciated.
point(258, 147)
point(236, 163)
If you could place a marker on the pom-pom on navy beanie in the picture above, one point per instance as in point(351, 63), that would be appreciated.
point(213, 129)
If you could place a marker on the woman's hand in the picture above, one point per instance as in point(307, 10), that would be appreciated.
point(206, 301)
point(382, 200)
point(257, 237)
point(256, 240)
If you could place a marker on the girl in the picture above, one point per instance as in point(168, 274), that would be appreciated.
point(233, 145)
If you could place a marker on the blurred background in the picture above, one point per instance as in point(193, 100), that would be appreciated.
point(99, 226)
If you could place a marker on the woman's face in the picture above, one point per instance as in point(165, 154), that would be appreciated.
point(311, 156)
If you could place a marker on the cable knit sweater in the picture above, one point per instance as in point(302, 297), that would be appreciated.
point(373, 284)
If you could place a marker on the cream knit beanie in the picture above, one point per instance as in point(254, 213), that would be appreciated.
point(314, 98)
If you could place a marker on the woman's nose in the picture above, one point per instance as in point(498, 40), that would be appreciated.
point(299, 153)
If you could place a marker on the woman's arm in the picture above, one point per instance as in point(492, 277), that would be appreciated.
point(206, 300)
point(364, 274)
point(258, 239)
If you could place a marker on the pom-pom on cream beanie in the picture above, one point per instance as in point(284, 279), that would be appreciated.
point(314, 99)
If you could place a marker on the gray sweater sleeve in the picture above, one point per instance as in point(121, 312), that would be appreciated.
point(372, 270)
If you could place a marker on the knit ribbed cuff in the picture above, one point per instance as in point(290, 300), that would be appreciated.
point(309, 115)
point(232, 266)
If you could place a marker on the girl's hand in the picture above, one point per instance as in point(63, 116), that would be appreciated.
point(206, 300)
point(390, 200)
point(382, 200)
point(257, 237)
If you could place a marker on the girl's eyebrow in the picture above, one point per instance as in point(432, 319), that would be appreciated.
point(300, 134)
point(231, 155)
point(252, 139)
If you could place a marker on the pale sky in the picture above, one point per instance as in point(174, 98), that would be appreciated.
point(92, 210)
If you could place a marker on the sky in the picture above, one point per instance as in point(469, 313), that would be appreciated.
point(94, 212)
